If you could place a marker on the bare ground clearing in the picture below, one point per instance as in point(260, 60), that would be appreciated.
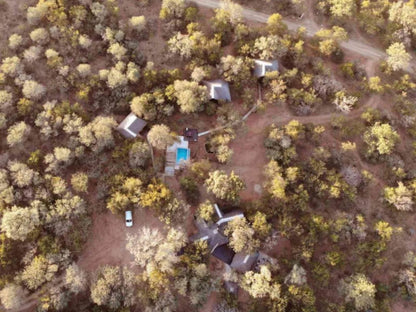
point(107, 242)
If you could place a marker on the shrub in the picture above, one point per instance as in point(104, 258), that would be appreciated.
point(139, 154)
point(190, 188)
point(11, 66)
point(6, 99)
point(15, 41)
point(79, 182)
point(32, 54)
point(84, 41)
point(18, 133)
point(33, 90)
point(40, 36)
point(84, 70)
point(138, 23)
point(160, 136)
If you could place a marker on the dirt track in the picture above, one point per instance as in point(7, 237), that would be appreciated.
point(311, 28)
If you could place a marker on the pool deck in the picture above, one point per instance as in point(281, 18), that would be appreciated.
point(171, 156)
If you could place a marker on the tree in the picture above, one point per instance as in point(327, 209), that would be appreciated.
point(206, 211)
point(143, 246)
point(40, 36)
point(190, 96)
point(403, 14)
point(6, 99)
point(330, 38)
point(21, 174)
point(236, 69)
point(36, 13)
point(384, 230)
point(234, 11)
point(241, 236)
point(151, 106)
point(166, 256)
point(260, 225)
point(151, 249)
point(181, 45)
point(84, 41)
point(39, 271)
point(260, 284)
point(172, 9)
point(116, 78)
point(275, 183)
point(113, 287)
point(32, 54)
point(343, 102)
point(84, 70)
point(275, 24)
point(63, 212)
point(98, 134)
point(139, 154)
point(19, 222)
point(380, 139)
point(12, 296)
point(15, 41)
point(117, 50)
point(408, 278)
point(397, 56)
point(75, 279)
point(11, 66)
point(342, 9)
point(79, 182)
point(99, 11)
point(18, 133)
point(224, 186)
point(296, 276)
point(360, 291)
point(137, 23)
point(61, 158)
point(160, 136)
point(400, 197)
point(33, 90)
point(270, 47)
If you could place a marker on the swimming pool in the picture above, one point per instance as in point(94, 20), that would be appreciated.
point(182, 154)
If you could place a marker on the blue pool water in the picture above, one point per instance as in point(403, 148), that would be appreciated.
point(181, 153)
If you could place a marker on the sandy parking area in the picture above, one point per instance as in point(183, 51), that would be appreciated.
point(107, 241)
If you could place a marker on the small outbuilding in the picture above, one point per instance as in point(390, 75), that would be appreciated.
point(131, 126)
point(218, 90)
point(262, 67)
point(190, 135)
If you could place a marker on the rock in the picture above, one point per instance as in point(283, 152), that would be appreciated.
point(258, 188)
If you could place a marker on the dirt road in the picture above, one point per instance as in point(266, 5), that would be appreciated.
point(311, 28)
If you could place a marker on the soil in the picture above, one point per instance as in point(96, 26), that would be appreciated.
point(107, 243)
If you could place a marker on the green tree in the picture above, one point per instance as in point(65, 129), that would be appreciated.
point(114, 287)
point(380, 139)
point(18, 133)
point(206, 211)
point(275, 24)
point(224, 186)
point(400, 197)
point(19, 222)
point(79, 182)
point(241, 235)
point(98, 134)
point(160, 136)
point(360, 291)
point(397, 56)
point(190, 96)
point(12, 296)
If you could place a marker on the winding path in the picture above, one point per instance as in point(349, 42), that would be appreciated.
point(311, 27)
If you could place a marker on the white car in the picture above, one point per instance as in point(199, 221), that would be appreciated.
point(129, 219)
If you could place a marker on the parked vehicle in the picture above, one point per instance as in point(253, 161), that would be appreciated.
point(129, 219)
